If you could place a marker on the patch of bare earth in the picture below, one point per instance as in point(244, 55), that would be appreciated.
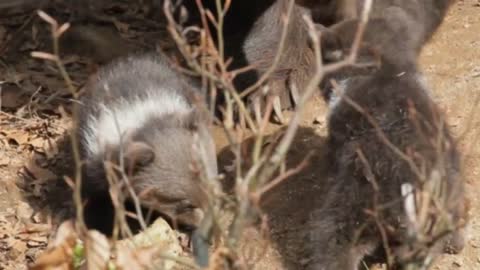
point(451, 63)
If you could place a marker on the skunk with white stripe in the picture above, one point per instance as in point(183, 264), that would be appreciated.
point(141, 119)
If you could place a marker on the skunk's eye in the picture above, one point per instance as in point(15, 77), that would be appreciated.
point(185, 206)
point(187, 228)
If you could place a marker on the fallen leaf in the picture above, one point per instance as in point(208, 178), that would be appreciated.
point(37, 241)
point(65, 233)
point(97, 251)
point(37, 228)
point(59, 255)
point(158, 235)
point(137, 259)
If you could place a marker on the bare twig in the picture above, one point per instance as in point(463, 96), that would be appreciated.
point(57, 31)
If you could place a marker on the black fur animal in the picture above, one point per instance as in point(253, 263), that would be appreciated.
point(383, 126)
point(396, 31)
point(395, 34)
point(140, 114)
point(388, 142)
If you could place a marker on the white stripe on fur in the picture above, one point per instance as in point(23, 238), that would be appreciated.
point(129, 115)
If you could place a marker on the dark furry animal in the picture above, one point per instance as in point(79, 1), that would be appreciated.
point(150, 122)
point(388, 142)
point(396, 31)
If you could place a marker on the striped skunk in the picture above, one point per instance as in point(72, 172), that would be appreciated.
point(141, 119)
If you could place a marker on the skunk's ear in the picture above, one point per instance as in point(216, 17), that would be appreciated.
point(137, 155)
point(196, 118)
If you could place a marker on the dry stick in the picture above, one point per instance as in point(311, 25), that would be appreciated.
point(221, 58)
point(243, 208)
point(278, 54)
point(117, 201)
point(242, 191)
point(374, 183)
point(55, 57)
point(205, 74)
point(279, 155)
point(314, 82)
point(223, 69)
point(133, 196)
point(182, 45)
point(263, 125)
point(212, 78)
point(221, 14)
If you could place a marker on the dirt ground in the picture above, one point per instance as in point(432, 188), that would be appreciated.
point(34, 154)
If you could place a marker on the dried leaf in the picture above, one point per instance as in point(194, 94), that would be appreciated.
point(137, 259)
point(65, 233)
point(138, 251)
point(37, 241)
point(97, 251)
point(37, 228)
point(59, 255)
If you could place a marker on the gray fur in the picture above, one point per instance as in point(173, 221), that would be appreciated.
point(141, 112)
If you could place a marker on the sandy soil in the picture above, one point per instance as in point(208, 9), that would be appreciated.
point(34, 155)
